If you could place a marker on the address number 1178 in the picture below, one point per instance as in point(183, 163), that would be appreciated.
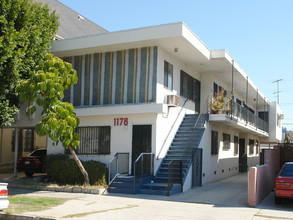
point(120, 121)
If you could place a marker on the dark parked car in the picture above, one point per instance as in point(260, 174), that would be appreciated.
point(284, 183)
point(33, 163)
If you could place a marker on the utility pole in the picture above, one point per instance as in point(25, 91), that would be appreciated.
point(278, 91)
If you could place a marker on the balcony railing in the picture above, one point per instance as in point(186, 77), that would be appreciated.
point(242, 113)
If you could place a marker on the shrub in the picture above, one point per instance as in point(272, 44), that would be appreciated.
point(64, 171)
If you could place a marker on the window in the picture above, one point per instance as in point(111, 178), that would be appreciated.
point(215, 89)
point(287, 170)
point(214, 143)
point(256, 147)
point(236, 143)
point(168, 75)
point(226, 142)
point(219, 89)
point(190, 88)
point(251, 147)
point(94, 140)
point(29, 140)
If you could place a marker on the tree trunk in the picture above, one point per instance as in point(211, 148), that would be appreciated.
point(80, 166)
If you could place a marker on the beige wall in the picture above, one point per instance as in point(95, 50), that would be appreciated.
point(262, 178)
point(6, 154)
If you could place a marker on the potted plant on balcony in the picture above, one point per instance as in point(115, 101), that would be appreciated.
point(217, 103)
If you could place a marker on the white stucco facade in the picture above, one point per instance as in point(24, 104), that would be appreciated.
point(179, 46)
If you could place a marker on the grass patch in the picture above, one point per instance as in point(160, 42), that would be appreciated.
point(21, 204)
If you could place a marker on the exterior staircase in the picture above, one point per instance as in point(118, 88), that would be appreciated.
point(186, 139)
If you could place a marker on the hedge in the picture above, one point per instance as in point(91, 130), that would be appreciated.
point(64, 171)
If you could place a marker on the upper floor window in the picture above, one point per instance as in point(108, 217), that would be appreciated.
point(190, 88)
point(168, 75)
point(219, 89)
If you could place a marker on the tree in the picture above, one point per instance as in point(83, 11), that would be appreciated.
point(26, 31)
point(45, 87)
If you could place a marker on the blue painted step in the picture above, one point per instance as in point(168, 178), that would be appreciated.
point(159, 189)
point(177, 151)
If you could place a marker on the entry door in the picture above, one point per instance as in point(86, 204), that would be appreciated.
point(197, 167)
point(242, 156)
point(141, 143)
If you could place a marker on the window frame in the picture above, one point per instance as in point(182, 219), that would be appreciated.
point(226, 142)
point(251, 146)
point(190, 88)
point(214, 142)
point(256, 147)
point(168, 74)
point(95, 145)
point(29, 139)
point(236, 145)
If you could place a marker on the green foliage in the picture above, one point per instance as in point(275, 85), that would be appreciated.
point(6, 113)
point(66, 172)
point(50, 159)
point(26, 31)
point(45, 87)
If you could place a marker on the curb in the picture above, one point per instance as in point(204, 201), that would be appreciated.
point(61, 189)
point(22, 217)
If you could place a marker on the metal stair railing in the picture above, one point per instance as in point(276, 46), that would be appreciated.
point(119, 164)
point(171, 179)
point(190, 143)
point(171, 129)
point(146, 161)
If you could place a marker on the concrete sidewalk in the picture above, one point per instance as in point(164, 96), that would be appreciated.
point(225, 199)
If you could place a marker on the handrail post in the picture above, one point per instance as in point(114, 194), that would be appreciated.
point(134, 176)
point(141, 166)
point(117, 161)
point(181, 175)
point(109, 175)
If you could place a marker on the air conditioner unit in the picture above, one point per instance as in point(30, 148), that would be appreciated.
point(172, 100)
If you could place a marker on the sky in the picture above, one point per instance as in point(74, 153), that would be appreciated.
point(258, 34)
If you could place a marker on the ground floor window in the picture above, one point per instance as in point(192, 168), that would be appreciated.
point(25, 140)
point(94, 140)
point(214, 143)
point(251, 146)
point(226, 142)
point(256, 147)
point(236, 143)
